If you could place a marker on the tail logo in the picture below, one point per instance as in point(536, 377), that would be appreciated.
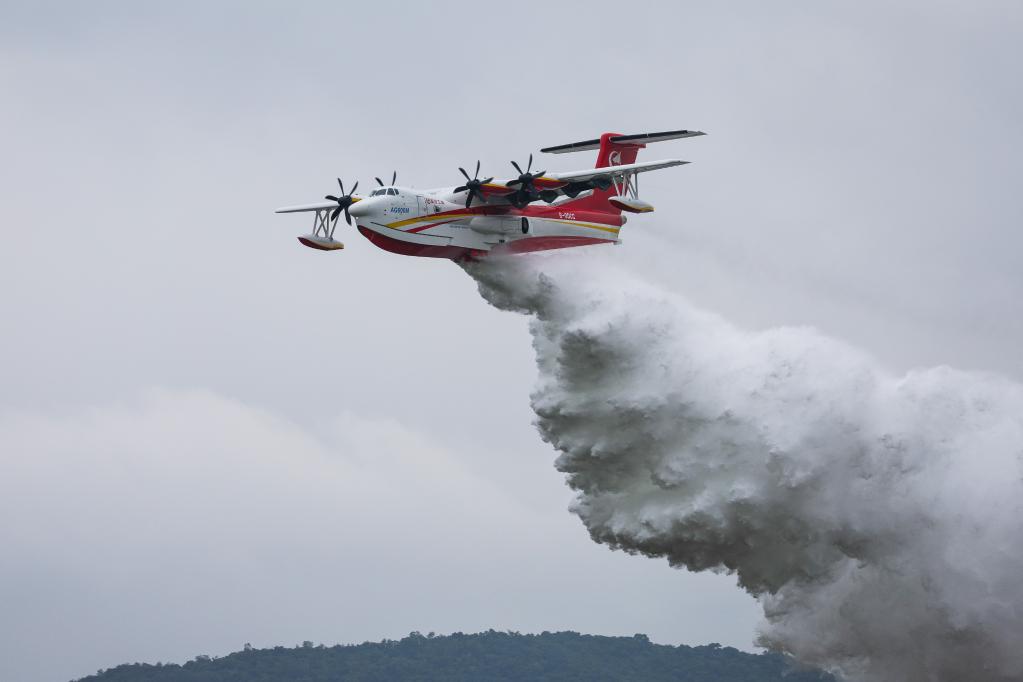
point(614, 158)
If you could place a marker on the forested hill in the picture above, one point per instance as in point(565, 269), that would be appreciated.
point(484, 656)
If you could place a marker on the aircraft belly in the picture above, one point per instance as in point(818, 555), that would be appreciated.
point(429, 239)
point(456, 238)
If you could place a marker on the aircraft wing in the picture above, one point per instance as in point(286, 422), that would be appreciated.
point(554, 181)
point(496, 189)
point(571, 183)
point(612, 171)
point(321, 206)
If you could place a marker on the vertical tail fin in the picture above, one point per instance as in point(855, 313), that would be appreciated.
point(614, 149)
point(610, 154)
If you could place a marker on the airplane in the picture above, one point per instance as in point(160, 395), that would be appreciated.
point(533, 211)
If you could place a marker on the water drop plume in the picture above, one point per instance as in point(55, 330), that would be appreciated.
point(876, 518)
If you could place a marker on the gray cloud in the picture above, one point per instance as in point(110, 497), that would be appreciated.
point(859, 176)
point(183, 522)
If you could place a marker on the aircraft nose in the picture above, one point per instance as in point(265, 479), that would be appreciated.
point(361, 208)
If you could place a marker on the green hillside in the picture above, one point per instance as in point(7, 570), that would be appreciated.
point(484, 656)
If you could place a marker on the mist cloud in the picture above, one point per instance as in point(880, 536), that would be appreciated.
point(876, 518)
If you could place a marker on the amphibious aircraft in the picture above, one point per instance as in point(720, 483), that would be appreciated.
point(532, 211)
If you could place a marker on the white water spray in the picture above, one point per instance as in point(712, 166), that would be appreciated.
point(877, 519)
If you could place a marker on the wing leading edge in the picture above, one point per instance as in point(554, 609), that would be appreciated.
point(615, 171)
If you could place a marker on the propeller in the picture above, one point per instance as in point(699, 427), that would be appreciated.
point(473, 185)
point(527, 191)
point(393, 178)
point(343, 202)
point(525, 179)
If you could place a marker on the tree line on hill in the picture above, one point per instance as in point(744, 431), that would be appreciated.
point(487, 655)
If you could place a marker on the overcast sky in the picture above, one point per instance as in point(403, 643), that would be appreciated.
point(210, 435)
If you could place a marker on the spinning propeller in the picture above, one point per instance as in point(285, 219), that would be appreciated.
point(393, 178)
point(472, 185)
point(527, 191)
point(343, 202)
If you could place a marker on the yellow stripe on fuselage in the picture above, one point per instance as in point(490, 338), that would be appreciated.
point(435, 218)
point(448, 217)
point(594, 226)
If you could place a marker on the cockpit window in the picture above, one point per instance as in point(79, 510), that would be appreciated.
point(391, 190)
point(378, 192)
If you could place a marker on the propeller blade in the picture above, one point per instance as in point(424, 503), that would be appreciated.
point(394, 176)
point(460, 189)
point(341, 185)
point(513, 182)
point(468, 200)
point(331, 197)
point(530, 163)
point(354, 187)
point(477, 169)
point(348, 217)
point(379, 181)
point(517, 167)
point(464, 173)
point(334, 214)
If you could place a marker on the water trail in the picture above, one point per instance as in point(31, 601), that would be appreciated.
point(877, 519)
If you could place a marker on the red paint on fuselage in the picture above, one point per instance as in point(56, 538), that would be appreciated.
point(526, 245)
point(423, 250)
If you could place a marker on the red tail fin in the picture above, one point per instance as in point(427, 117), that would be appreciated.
point(615, 150)
point(610, 154)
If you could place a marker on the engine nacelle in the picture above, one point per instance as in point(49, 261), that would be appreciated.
point(490, 224)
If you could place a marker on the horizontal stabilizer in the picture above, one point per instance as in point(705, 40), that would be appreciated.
point(644, 138)
point(641, 138)
point(584, 146)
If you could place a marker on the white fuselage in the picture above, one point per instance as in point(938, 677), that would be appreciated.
point(438, 218)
